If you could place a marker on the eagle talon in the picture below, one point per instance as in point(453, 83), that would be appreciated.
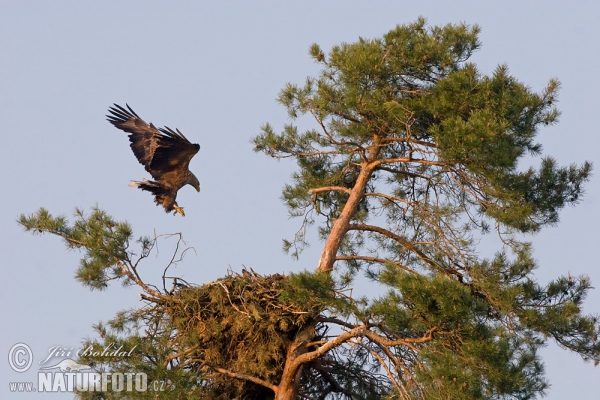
point(178, 210)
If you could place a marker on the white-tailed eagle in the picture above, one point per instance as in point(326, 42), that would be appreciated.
point(164, 153)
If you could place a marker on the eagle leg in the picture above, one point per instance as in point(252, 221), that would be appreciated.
point(178, 210)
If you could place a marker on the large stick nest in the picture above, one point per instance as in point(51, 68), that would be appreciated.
point(242, 323)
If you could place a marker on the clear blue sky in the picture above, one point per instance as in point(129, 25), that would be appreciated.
point(213, 70)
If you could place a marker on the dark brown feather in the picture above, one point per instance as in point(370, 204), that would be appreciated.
point(163, 152)
point(157, 150)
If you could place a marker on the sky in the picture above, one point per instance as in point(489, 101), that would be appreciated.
point(213, 70)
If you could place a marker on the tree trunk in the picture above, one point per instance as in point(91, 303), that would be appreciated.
point(288, 386)
point(341, 224)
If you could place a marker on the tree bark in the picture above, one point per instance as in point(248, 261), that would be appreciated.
point(342, 223)
point(288, 386)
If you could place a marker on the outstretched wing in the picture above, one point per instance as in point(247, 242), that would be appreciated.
point(174, 151)
point(159, 151)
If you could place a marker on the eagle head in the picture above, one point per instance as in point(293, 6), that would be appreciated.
point(193, 181)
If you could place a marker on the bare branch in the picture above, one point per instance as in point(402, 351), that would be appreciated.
point(330, 189)
point(389, 373)
point(377, 163)
point(374, 260)
point(330, 345)
point(408, 245)
point(375, 337)
point(245, 377)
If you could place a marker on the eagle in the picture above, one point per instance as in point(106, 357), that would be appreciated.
point(164, 153)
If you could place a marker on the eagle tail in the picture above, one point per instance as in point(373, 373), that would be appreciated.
point(162, 195)
point(145, 184)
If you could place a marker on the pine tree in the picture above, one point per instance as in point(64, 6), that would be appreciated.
point(414, 155)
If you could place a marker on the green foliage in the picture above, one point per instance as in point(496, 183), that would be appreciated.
point(104, 241)
point(475, 355)
point(438, 132)
point(494, 126)
point(148, 353)
point(488, 332)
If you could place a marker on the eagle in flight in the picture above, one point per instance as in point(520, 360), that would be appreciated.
point(164, 153)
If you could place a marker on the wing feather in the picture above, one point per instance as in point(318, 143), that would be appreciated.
point(158, 150)
point(176, 150)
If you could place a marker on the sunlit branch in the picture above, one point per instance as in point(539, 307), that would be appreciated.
point(374, 260)
point(406, 244)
